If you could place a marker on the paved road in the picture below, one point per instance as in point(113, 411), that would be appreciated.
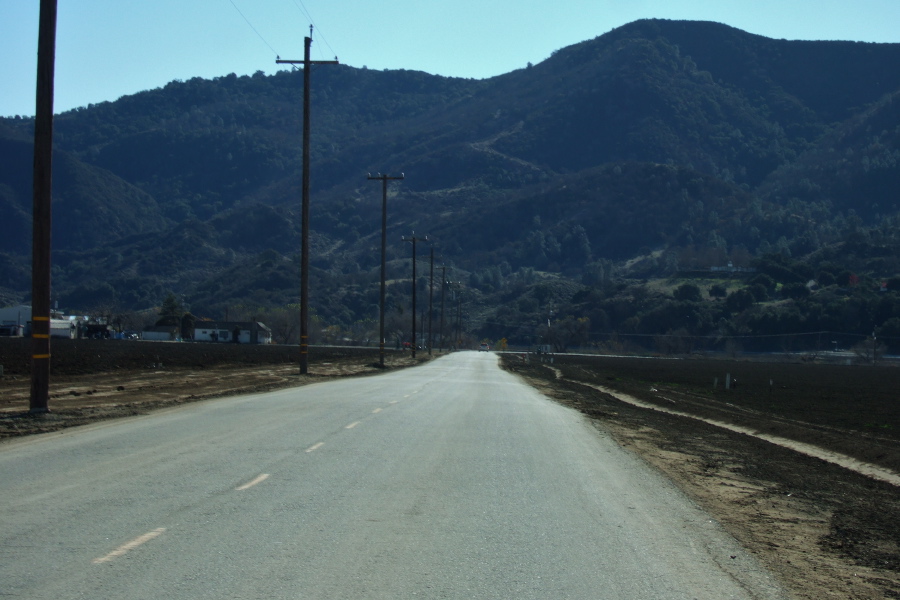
point(450, 480)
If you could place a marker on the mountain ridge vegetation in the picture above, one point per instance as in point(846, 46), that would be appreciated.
point(656, 149)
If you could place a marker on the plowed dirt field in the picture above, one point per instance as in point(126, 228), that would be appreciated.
point(800, 462)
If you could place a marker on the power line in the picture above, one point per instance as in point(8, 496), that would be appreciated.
point(253, 28)
point(305, 12)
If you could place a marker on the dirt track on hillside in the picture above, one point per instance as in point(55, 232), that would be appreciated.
point(827, 532)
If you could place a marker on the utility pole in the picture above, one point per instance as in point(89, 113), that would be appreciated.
point(412, 238)
point(304, 210)
point(874, 348)
point(458, 320)
point(41, 211)
point(443, 288)
point(430, 302)
point(384, 179)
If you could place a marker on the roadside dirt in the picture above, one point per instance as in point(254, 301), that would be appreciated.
point(824, 530)
point(129, 384)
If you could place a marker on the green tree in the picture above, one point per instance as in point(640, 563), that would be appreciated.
point(795, 291)
point(760, 294)
point(764, 280)
point(187, 326)
point(718, 290)
point(739, 300)
point(170, 312)
point(687, 292)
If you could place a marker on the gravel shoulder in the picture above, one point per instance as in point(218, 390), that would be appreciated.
point(824, 530)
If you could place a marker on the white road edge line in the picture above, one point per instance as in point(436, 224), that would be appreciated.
point(315, 447)
point(124, 548)
point(250, 484)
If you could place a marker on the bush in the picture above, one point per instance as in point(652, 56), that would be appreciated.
point(718, 290)
point(687, 292)
point(795, 291)
point(739, 300)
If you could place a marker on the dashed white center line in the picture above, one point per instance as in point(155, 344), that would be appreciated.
point(352, 425)
point(393, 402)
point(124, 548)
point(250, 484)
point(315, 447)
point(376, 411)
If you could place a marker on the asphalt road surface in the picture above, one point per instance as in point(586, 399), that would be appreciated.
point(449, 480)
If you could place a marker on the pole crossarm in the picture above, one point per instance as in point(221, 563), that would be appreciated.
point(283, 61)
point(384, 179)
point(381, 177)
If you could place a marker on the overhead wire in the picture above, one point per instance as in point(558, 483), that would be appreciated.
point(305, 12)
point(253, 28)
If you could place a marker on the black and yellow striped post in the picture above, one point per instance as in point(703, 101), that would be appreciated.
point(40, 364)
point(41, 222)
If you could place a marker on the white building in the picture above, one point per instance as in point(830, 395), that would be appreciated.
point(62, 328)
point(16, 321)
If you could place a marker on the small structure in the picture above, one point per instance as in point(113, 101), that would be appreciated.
point(12, 330)
point(161, 333)
point(92, 330)
point(62, 328)
point(242, 332)
point(15, 321)
point(732, 269)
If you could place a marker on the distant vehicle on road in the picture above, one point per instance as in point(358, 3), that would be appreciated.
point(484, 348)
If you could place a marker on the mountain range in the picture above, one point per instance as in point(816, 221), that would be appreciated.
point(659, 147)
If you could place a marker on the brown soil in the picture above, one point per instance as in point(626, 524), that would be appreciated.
point(825, 530)
point(94, 380)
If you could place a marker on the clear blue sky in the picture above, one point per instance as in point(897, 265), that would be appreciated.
point(110, 48)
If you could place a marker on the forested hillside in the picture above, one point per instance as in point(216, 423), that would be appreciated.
point(587, 189)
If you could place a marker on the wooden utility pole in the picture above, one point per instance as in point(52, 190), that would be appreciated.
point(304, 209)
point(443, 289)
point(384, 179)
point(412, 238)
point(458, 320)
point(41, 211)
point(430, 303)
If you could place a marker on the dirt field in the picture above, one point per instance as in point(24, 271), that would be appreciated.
point(826, 530)
point(93, 380)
